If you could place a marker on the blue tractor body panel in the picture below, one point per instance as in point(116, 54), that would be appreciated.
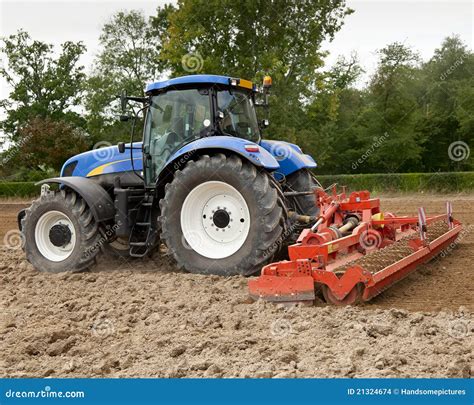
point(290, 157)
point(282, 157)
point(104, 161)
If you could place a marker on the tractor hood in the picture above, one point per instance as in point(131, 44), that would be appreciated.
point(103, 160)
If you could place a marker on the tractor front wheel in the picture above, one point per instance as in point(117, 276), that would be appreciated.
point(221, 215)
point(60, 233)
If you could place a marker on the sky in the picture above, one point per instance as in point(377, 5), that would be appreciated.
point(421, 24)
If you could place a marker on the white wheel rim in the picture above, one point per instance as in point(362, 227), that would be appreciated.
point(215, 220)
point(42, 236)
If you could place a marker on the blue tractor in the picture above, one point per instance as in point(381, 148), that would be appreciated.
point(203, 182)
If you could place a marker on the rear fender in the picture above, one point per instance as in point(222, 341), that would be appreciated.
point(289, 156)
point(262, 158)
point(97, 199)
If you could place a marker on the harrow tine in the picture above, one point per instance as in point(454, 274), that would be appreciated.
point(422, 223)
point(449, 214)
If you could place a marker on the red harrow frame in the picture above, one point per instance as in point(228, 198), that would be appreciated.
point(354, 251)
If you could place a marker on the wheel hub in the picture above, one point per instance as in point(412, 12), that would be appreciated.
point(221, 218)
point(60, 235)
point(55, 236)
point(215, 220)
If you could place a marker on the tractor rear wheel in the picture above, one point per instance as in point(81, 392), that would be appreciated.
point(302, 180)
point(60, 233)
point(221, 215)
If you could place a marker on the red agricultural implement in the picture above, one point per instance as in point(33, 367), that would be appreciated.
point(354, 251)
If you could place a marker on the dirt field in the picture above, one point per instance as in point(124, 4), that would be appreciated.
point(145, 319)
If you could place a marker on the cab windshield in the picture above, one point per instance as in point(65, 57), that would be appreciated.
point(181, 116)
point(174, 119)
point(240, 118)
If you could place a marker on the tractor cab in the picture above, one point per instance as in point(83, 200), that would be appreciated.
point(189, 108)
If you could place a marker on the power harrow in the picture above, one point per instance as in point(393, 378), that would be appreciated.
point(353, 251)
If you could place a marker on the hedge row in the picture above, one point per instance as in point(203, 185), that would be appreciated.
point(18, 189)
point(397, 182)
point(404, 182)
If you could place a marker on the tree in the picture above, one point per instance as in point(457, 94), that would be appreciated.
point(47, 143)
point(392, 112)
point(251, 38)
point(331, 116)
point(129, 58)
point(42, 85)
point(447, 99)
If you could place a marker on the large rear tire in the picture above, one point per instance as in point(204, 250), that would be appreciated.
point(60, 233)
point(302, 180)
point(221, 215)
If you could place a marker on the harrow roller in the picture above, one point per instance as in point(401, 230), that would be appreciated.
point(354, 252)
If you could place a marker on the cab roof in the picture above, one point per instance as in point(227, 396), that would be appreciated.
point(200, 79)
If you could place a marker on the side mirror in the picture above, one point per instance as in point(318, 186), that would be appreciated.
point(121, 147)
point(264, 123)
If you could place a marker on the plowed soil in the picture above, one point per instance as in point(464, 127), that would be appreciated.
point(146, 319)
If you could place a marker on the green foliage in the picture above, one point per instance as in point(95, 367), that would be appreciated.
point(129, 57)
point(25, 174)
point(42, 85)
point(393, 182)
point(18, 189)
point(48, 143)
point(406, 119)
point(403, 182)
point(251, 38)
point(447, 99)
